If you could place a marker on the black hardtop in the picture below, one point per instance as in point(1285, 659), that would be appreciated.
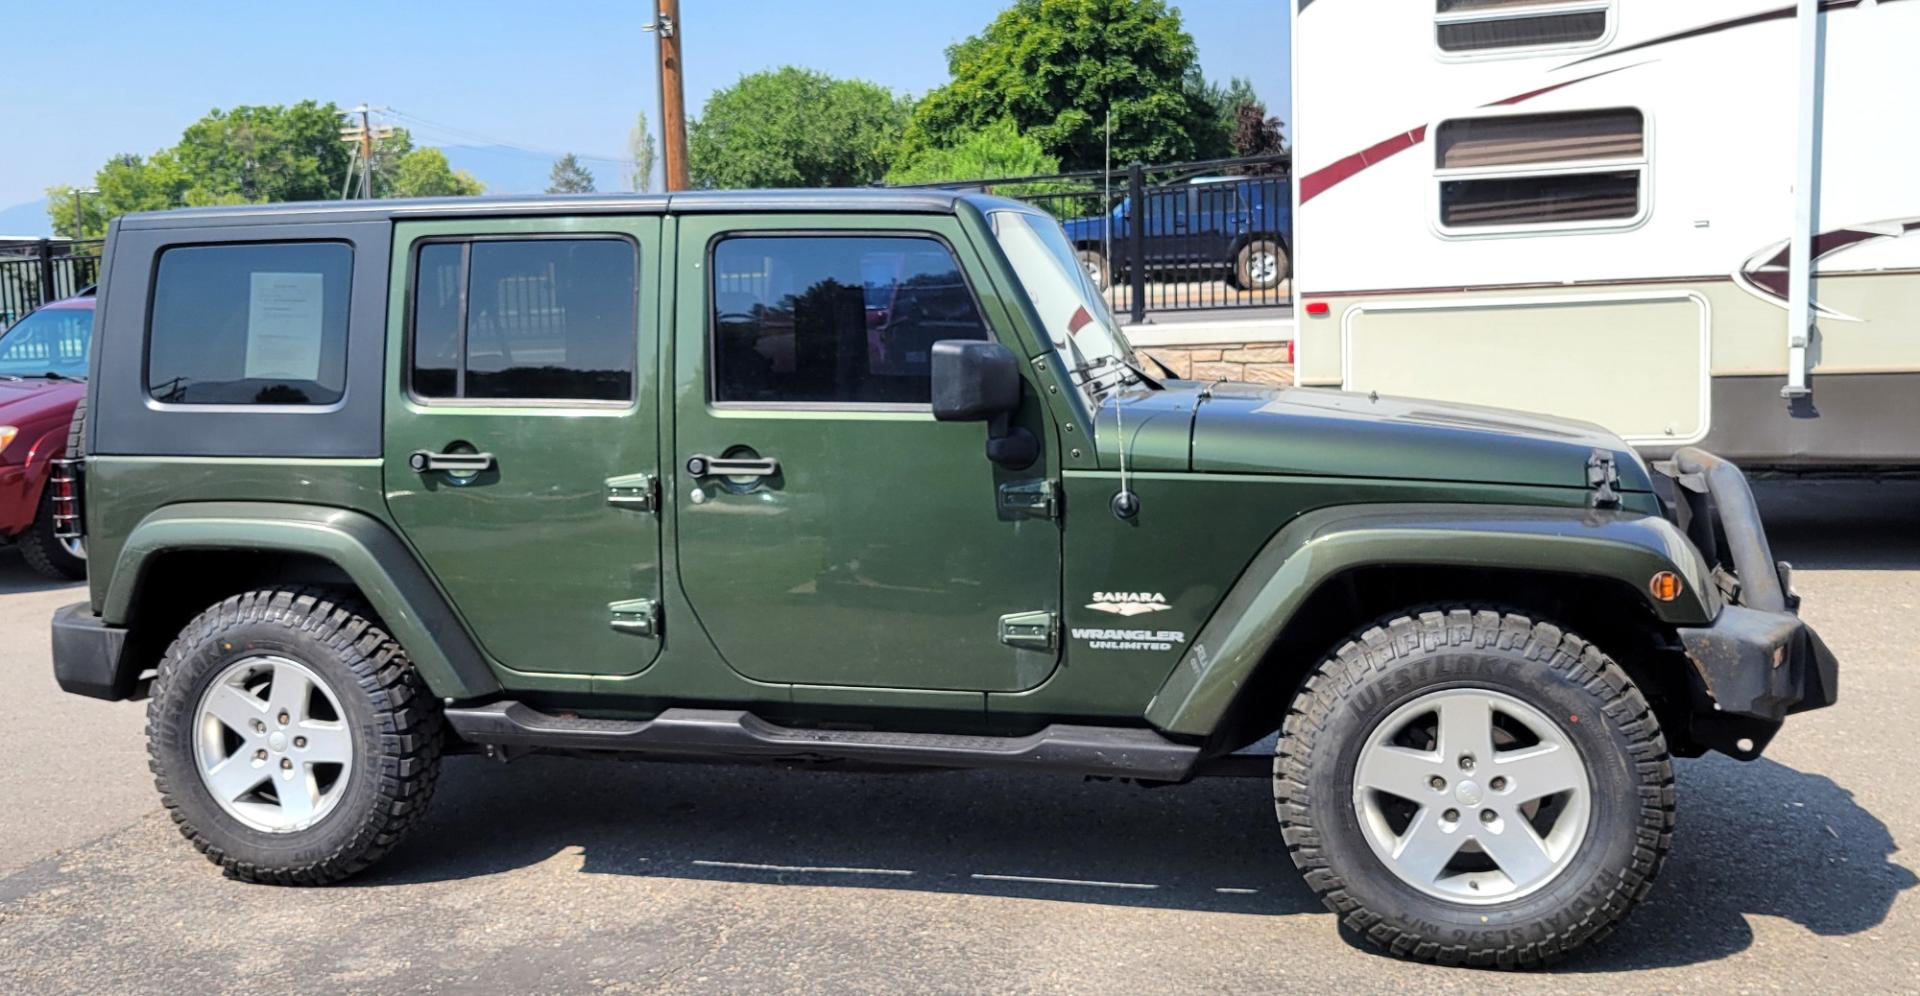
point(827, 201)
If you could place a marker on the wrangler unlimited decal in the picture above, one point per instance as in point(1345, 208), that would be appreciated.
point(1131, 639)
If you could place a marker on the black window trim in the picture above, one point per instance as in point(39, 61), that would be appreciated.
point(1543, 9)
point(146, 335)
point(711, 331)
point(466, 241)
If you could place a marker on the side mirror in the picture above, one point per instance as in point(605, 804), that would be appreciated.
point(975, 381)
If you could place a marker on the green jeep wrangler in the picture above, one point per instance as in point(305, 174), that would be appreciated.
point(872, 477)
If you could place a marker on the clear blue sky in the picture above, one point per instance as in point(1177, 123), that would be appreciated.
point(128, 75)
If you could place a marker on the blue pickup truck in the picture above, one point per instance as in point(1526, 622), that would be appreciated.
point(1240, 225)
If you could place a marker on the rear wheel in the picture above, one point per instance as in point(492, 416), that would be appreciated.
point(290, 737)
point(1095, 263)
point(48, 553)
point(1470, 787)
point(1261, 265)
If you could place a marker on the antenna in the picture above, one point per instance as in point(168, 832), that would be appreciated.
point(1125, 504)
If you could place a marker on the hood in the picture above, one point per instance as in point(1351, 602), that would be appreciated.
point(22, 401)
point(1253, 429)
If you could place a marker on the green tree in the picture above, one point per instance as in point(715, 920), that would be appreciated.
point(1058, 67)
point(996, 151)
point(640, 150)
point(267, 153)
point(792, 127)
point(251, 155)
point(126, 183)
point(425, 173)
point(569, 177)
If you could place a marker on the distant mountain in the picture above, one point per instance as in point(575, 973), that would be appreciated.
point(29, 219)
point(515, 171)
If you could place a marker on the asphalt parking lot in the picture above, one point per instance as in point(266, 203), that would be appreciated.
point(549, 875)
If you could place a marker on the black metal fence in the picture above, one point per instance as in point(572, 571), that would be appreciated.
point(1173, 237)
point(33, 273)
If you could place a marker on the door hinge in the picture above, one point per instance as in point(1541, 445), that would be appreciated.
point(639, 616)
point(640, 492)
point(1030, 630)
point(1034, 498)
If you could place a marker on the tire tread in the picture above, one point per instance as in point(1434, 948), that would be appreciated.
point(1376, 649)
point(411, 737)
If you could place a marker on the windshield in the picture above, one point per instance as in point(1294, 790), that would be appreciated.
point(49, 341)
point(1074, 314)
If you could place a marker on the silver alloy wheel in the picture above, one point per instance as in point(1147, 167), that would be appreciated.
point(74, 545)
point(1472, 796)
point(272, 744)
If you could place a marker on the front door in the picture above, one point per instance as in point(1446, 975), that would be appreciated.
point(830, 532)
point(522, 435)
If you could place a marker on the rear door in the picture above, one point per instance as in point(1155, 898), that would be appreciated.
point(848, 539)
point(521, 436)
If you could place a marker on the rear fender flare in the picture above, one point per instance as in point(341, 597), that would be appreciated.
point(1318, 547)
point(408, 602)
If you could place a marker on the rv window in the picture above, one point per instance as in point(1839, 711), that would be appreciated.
point(1467, 27)
point(1568, 170)
point(1526, 139)
point(1534, 200)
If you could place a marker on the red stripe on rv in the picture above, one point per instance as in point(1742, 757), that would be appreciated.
point(1318, 181)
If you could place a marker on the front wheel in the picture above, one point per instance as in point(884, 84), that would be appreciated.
point(1469, 787)
point(291, 740)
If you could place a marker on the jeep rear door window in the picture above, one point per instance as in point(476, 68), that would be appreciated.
point(526, 319)
point(834, 319)
point(253, 324)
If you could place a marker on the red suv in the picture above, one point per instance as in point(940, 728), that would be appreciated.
point(43, 375)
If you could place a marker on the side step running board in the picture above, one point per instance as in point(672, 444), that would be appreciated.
point(1087, 750)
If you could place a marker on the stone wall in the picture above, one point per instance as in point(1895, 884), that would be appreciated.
point(1259, 363)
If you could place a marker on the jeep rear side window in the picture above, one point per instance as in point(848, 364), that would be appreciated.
point(529, 320)
point(834, 319)
point(255, 324)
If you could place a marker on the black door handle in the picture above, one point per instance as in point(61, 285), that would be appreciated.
point(701, 465)
point(427, 461)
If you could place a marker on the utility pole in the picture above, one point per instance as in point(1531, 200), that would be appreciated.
point(78, 216)
point(362, 137)
point(673, 95)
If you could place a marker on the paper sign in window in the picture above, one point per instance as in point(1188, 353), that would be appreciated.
point(283, 327)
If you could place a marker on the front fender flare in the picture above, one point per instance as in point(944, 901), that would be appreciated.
point(1320, 546)
point(409, 604)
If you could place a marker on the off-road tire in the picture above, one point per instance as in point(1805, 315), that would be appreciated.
point(1094, 263)
point(1625, 754)
point(396, 725)
point(41, 549)
point(1243, 276)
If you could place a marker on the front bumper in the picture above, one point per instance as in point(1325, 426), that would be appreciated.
point(89, 656)
point(1757, 662)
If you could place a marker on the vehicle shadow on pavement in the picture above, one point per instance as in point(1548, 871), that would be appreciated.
point(1210, 845)
point(1843, 525)
point(1757, 839)
point(17, 578)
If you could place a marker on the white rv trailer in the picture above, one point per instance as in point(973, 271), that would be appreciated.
point(1589, 207)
